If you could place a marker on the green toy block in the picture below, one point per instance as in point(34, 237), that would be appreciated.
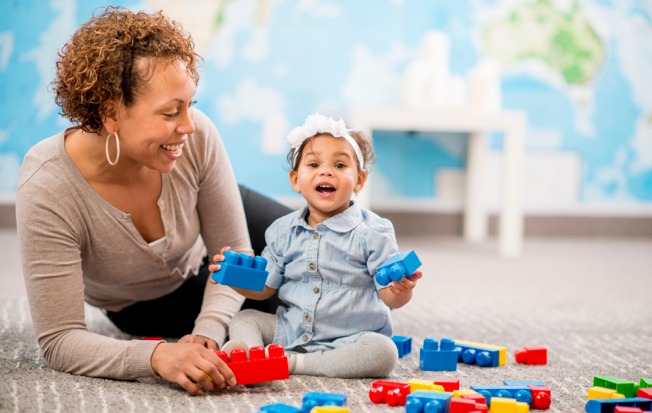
point(645, 383)
point(622, 386)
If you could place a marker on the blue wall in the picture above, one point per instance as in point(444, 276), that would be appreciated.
point(269, 64)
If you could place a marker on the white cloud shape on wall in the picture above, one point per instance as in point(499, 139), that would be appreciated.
point(257, 103)
point(44, 56)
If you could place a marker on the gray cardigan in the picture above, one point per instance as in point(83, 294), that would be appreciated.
point(76, 247)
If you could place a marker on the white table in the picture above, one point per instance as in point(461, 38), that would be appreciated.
point(512, 124)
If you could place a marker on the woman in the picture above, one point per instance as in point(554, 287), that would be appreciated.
point(122, 209)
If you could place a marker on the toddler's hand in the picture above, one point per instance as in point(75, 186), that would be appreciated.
point(406, 284)
point(217, 258)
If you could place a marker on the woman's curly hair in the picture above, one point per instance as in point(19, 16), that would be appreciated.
point(99, 63)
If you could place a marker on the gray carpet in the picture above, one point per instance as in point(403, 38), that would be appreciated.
point(587, 301)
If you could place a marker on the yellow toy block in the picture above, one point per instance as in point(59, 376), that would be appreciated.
point(502, 351)
point(330, 409)
point(420, 384)
point(507, 405)
point(598, 392)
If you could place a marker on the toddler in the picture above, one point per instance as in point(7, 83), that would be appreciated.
point(322, 260)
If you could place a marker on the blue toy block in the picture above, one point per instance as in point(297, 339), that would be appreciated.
point(434, 357)
point(242, 271)
point(609, 405)
point(313, 399)
point(520, 393)
point(403, 344)
point(279, 408)
point(428, 401)
point(397, 267)
point(523, 383)
point(484, 355)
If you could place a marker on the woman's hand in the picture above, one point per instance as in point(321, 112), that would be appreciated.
point(216, 267)
point(196, 368)
point(204, 341)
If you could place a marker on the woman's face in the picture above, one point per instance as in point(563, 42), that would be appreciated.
point(154, 129)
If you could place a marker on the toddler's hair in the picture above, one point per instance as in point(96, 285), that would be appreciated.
point(363, 141)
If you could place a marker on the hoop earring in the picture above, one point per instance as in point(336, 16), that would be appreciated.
point(106, 148)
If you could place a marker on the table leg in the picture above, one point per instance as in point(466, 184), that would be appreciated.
point(511, 216)
point(475, 211)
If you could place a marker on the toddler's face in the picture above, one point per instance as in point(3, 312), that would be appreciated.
point(326, 176)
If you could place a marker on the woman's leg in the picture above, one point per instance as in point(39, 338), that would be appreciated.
point(261, 212)
point(170, 316)
point(371, 355)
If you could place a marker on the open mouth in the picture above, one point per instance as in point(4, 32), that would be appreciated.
point(174, 149)
point(325, 189)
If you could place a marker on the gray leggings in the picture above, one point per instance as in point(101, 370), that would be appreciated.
point(371, 355)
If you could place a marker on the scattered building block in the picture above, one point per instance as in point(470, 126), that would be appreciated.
point(532, 355)
point(330, 409)
point(645, 383)
point(420, 384)
point(541, 397)
point(645, 393)
point(459, 405)
point(279, 408)
point(259, 368)
point(523, 383)
point(624, 409)
point(397, 267)
point(448, 383)
point(242, 271)
point(484, 355)
point(427, 401)
point(597, 392)
point(434, 357)
point(403, 345)
point(507, 405)
point(622, 386)
point(471, 395)
point(314, 399)
point(609, 405)
point(390, 392)
point(519, 393)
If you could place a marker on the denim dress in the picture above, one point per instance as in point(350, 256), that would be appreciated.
point(325, 276)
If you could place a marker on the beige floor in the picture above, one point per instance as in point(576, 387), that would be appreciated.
point(587, 300)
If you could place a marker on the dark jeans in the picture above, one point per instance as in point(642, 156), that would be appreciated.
point(173, 315)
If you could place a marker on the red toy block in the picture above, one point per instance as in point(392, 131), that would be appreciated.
point(390, 392)
point(459, 405)
point(533, 355)
point(541, 397)
point(448, 383)
point(258, 368)
point(627, 409)
point(646, 393)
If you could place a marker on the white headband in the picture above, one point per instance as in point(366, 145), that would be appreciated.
point(316, 124)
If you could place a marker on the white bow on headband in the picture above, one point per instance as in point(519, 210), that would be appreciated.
point(316, 124)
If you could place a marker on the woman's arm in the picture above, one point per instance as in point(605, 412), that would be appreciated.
point(222, 223)
point(51, 258)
